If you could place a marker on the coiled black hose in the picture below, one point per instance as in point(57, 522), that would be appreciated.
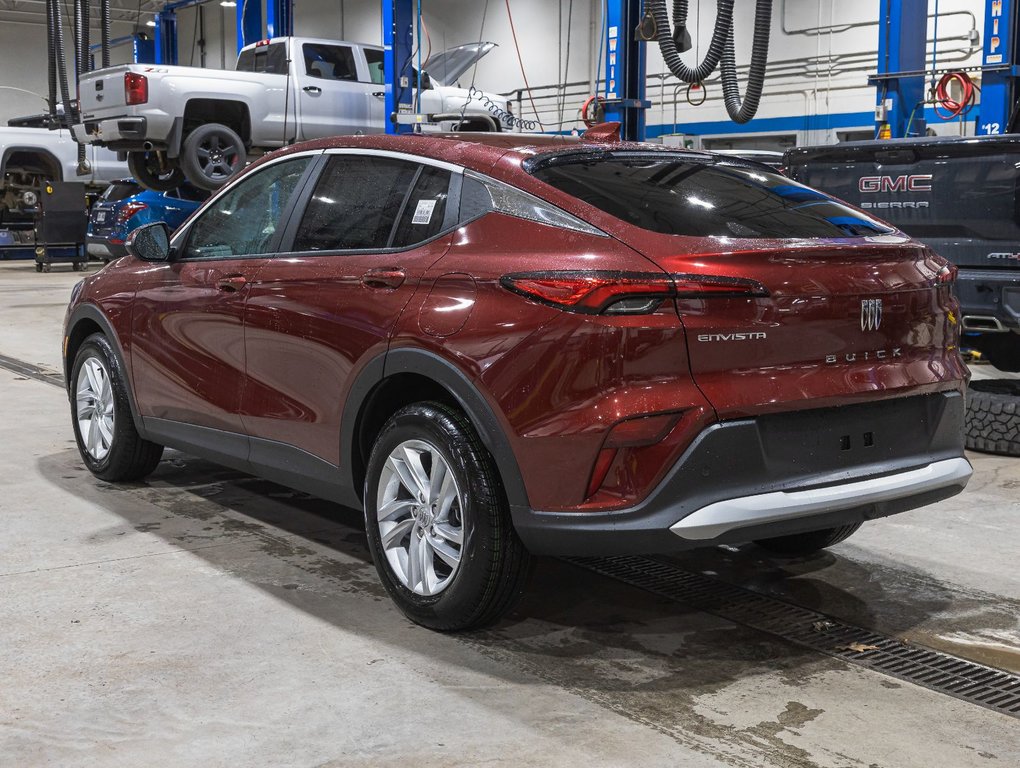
point(51, 64)
point(81, 59)
point(70, 112)
point(667, 45)
point(741, 111)
point(104, 32)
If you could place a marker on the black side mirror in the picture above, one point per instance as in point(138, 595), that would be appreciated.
point(150, 243)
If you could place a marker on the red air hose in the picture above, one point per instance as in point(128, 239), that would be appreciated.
point(948, 108)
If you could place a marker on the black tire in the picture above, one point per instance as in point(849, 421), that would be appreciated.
point(212, 155)
point(800, 544)
point(154, 172)
point(129, 457)
point(993, 416)
point(494, 563)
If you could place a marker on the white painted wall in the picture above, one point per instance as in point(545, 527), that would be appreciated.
point(23, 63)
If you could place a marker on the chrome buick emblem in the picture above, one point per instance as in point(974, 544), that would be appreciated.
point(871, 314)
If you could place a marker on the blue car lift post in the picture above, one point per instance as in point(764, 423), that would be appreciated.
point(903, 68)
point(397, 28)
point(624, 84)
point(279, 15)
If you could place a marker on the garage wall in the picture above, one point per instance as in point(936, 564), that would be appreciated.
point(23, 52)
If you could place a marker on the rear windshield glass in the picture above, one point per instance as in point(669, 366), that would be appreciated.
point(680, 196)
point(271, 59)
point(120, 190)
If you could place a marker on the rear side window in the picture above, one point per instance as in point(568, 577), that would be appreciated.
point(271, 59)
point(120, 190)
point(355, 204)
point(375, 66)
point(680, 196)
point(329, 62)
point(244, 220)
point(425, 210)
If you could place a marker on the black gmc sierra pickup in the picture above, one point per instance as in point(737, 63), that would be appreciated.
point(961, 196)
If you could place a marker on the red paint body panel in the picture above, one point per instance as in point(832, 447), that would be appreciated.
point(309, 321)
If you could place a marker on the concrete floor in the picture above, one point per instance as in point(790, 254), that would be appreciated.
point(205, 618)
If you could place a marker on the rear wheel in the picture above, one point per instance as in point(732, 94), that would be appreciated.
point(798, 544)
point(155, 171)
point(104, 429)
point(993, 416)
point(211, 155)
point(438, 522)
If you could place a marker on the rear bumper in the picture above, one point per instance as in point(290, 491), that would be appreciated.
point(778, 475)
point(103, 249)
point(989, 300)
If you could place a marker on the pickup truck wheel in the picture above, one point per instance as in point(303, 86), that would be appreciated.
point(155, 172)
point(993, 416)
point(212, 154)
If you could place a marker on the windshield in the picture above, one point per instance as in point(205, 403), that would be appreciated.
point(676, 195)
point(119, 190)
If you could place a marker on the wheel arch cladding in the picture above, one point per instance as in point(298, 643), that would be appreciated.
point(86, 320)
point(404, 376)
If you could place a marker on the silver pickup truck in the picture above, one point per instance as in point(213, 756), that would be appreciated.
point(178, 123)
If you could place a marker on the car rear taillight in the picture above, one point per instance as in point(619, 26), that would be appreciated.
point(598, 292)
point(947, 275)
point(136, 88)
point(128, 210)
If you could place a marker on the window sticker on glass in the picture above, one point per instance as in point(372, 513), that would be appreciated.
point(423, 213)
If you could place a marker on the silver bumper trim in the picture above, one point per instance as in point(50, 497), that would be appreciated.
point(724, 516)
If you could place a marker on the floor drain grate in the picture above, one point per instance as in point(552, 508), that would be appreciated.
point(942, 672)
point(31, 371)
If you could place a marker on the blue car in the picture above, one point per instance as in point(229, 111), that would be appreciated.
point(125, 206)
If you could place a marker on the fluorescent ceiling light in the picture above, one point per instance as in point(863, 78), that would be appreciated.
point(228, 3)
point(150, 23)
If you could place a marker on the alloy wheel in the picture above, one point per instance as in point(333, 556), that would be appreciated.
point(420, 517)
point(95, 408)
point(216, 158)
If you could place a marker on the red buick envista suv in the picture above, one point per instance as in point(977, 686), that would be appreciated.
point(499, 345)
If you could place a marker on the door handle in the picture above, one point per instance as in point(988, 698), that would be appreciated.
point(390, 277)
point(312, 89)
point(231, 283)
point(378, 94)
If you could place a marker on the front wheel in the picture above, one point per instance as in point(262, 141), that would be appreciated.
point(800, 544)
point(104, 429)
point(438, 522)
point(155, 171)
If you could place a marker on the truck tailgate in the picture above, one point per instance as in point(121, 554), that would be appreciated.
point(102, 91)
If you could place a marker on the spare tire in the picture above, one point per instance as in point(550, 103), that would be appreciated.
point(212, 155)
point(993, 416)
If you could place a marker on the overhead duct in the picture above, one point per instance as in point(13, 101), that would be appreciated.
point(741, 111)
point(720, 52)
point(104, 33)
point(668, 44)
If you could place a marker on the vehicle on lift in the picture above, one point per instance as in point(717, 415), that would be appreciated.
point(126, 205)
point(31, 157)
point(501, 345)
point(961, 196)
point(200, 125)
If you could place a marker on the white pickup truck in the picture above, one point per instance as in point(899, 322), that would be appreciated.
point(30, 157)
point(178, 123)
